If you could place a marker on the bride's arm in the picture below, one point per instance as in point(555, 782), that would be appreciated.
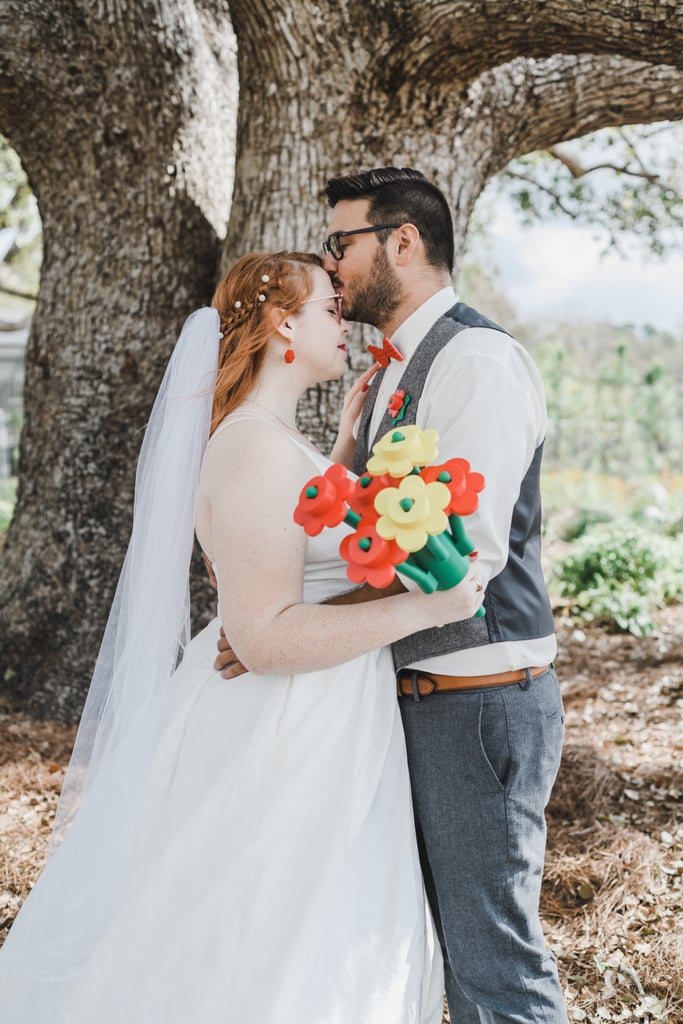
point(253, 485)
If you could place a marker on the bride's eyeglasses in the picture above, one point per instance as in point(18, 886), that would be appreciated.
point(339, 299)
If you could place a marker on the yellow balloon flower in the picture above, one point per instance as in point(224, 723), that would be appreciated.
point(412, 511)
point(400, 451)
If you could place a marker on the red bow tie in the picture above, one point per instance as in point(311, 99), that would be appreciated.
point(385, 353)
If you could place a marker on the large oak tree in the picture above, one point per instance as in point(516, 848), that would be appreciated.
point(125, 114)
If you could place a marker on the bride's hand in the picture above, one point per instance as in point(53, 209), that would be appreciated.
point(454, 605)
point(351, 409)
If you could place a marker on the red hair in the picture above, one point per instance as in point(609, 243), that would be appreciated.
point(248, 321)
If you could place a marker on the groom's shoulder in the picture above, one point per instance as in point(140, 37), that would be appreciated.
point(467, 316)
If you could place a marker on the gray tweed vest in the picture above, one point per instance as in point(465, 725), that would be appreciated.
point(517, 604)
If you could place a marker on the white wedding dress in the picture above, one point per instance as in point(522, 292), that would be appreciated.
point(271, 874)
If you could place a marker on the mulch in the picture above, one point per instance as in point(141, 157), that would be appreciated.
point(612, 900)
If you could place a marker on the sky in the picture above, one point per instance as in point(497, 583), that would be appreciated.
point(556, 270)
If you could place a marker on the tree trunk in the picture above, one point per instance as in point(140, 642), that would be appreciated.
point(132, 179)
point(399, 91)
point(134, 186)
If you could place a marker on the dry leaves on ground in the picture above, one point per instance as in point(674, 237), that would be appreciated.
point(613, 891)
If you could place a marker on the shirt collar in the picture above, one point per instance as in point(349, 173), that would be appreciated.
point(410, 333)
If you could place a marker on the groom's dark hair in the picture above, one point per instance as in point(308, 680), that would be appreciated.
point(400, 195)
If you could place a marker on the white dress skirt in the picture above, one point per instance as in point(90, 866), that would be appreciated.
point(270, 874)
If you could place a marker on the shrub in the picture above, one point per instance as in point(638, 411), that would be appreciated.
point(617, 574)
point(7, 499)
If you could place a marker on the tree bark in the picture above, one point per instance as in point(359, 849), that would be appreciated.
point(127, 141)
point(134, 189)
point(398, 92)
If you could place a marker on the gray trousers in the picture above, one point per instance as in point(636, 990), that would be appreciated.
point(482, 765)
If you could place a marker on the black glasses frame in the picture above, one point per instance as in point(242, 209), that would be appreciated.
point(332, 245)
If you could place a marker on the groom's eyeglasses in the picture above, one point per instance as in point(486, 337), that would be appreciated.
point(333, 246)
point(338, 300)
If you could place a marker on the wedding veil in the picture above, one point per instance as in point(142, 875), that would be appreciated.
point(147, 629)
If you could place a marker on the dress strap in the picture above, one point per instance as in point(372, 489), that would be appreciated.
point(320, 461)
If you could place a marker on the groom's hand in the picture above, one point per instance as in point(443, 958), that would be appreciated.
point(227, 662)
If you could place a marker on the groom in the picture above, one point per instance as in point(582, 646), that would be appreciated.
point(480, 700)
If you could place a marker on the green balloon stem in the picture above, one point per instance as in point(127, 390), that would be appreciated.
point(425, 580)
point(406, 504)
point(462, 541)
point(311, 492)
point(437, 548)
point(365, 543)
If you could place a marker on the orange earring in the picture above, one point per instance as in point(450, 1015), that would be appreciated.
point(289, 355)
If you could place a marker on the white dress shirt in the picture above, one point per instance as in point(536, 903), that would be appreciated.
point(485, 398)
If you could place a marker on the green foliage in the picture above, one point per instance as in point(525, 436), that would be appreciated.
point(583, 521)
point(617, 574)
point(624, 182)
point(20, 226)
point(615, 402)
point(8, 489)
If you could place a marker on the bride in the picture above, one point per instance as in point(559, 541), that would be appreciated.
point(238, 852)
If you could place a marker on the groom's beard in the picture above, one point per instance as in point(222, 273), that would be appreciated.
point(374, 301)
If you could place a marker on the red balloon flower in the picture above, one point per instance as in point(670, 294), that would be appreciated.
point(366, 488)
point(460, 481)
point(322, 501)
point(371, 559)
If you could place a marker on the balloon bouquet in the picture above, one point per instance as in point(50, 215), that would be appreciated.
point(404, 510)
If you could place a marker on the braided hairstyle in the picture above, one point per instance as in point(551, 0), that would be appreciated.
point(249, 300)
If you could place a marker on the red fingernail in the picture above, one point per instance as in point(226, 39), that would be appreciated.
point(366, 387)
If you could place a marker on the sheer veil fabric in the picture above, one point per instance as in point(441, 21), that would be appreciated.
point(147, 629)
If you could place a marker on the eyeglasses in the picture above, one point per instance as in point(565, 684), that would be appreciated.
point(338, 299)
point(333, 245)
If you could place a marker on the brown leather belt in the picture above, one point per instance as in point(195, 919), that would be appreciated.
point(430, 682)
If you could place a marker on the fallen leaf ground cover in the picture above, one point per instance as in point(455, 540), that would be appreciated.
point(613, 889)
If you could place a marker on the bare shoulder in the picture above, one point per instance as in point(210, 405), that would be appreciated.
point(253, 452)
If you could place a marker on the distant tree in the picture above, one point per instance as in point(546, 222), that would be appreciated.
point(622, 182)
point(20, 229)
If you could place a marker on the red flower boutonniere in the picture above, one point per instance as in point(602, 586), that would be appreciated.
point(397, 405)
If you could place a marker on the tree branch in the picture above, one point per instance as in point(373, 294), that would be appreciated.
point(535, 105)
point(577, 170)
point(460, 39)
point(550, 192)
point(18, 293)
